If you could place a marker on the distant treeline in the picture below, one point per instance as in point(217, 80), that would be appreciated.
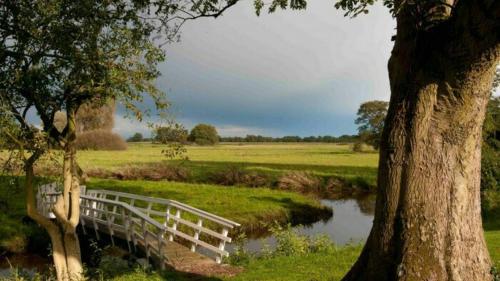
point(259, 138)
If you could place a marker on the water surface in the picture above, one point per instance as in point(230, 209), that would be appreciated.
point(350, 223)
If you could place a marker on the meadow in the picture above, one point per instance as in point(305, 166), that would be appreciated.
point(250, 206)
point(324, 160)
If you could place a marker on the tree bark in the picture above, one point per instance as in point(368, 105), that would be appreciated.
point(427, 223)
point(65, 244)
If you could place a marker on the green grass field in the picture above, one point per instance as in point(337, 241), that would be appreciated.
point(245, 205)
point(248, 206)
point(271, 159)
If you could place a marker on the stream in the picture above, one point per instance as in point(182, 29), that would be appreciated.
point(350, 223)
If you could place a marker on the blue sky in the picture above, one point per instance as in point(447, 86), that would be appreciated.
point(289, 73)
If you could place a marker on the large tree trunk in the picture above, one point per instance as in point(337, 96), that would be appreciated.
point(427, 222)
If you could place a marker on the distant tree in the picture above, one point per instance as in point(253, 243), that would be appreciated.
point(204, 134)
point(371, 117)
point(290, 139)
point(137, 137)
point(490, 156)
point(173, 133)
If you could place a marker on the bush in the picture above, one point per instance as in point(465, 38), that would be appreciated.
point(490, 202)
point(362, 147)
point(204, 134)
point(137, 137)
point(154, 172)
point(490, 169)
point(235, 175)
point(290, 243)
point(232, 175)
point(174, 133)
point(300, 181)
point(99, 140)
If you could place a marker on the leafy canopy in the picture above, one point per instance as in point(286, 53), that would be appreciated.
point(371, 117)
point(204, 134)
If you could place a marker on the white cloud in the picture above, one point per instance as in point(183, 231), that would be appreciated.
point(127, 127)
point(241, 131)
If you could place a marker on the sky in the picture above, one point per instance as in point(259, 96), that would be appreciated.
point(289, 73)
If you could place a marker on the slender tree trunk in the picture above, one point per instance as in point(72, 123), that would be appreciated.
point(427, 222)
point(65, 244)
point(67, 206)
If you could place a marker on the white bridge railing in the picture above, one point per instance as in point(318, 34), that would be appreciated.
point(148, 221)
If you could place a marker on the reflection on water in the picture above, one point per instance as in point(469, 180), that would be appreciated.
point(351, 223)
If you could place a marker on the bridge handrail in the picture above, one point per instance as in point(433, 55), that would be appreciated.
point(126, 206)
point(184, 207)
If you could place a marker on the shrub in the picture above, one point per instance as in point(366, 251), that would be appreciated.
point(232, 175)
point(137, 137)
point(490, 169)
point(490, 202)
point(357, 147)
point(235, 175)
point(204, 134)
point(290, 243)
point(254, 179)
point(174, 133)
point(13, 235)
point(99, 140)
point(300, 181)
point(154, 172)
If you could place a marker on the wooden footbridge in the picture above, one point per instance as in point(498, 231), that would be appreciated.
point(168, 232)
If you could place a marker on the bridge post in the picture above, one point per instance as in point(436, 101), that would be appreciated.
point(108, 223)
point(160, 248)
point(126, 225)
point(145, 238)
point(196, 235)
point(222, 245)
point(174, 226)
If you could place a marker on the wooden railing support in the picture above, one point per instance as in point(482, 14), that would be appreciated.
point(117, 212)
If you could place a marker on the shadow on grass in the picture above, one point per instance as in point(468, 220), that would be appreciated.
point(491, 220)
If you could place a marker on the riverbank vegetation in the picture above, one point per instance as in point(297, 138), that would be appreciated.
point(239, 164)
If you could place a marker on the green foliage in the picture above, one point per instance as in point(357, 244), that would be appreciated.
point(290, 243)
point(490, 156)
point(371, 118)
point(69, 55)
point(137, 137)
point(490, 169)
point(204, 134)
point(357, 147)
point(172, 133)
point(491, 127)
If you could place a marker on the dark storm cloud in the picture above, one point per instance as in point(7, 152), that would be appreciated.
point(300, 73)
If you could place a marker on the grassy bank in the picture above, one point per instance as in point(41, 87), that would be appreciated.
point(248, 206)
point(273, 160)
